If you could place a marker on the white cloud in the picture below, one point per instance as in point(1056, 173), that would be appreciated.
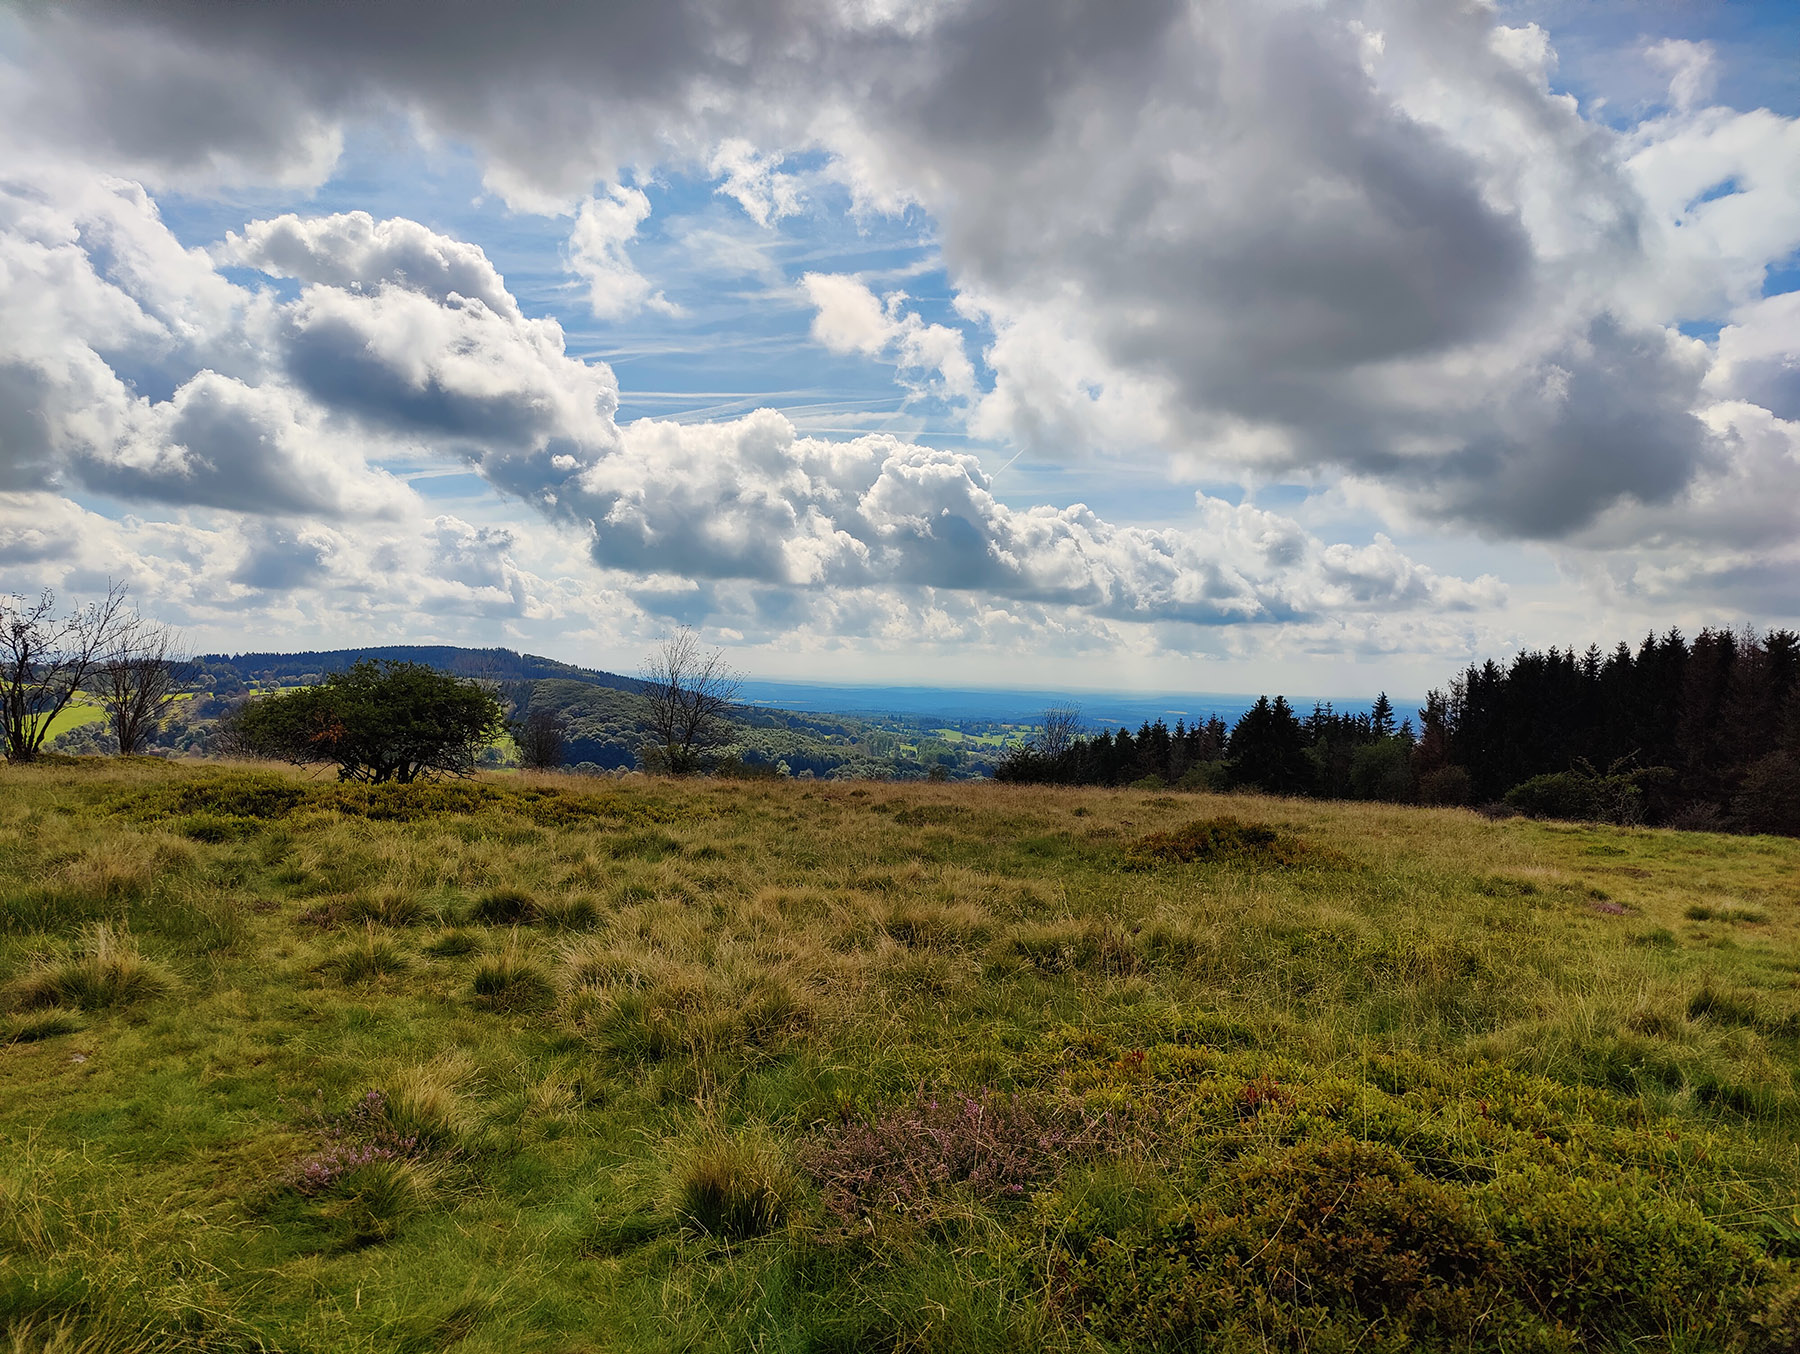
point(850, 319)
point(603, 227)
point(755, 182)
point(353, 251)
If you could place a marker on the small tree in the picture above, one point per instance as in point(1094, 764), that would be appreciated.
point(45, 659)
point(540, 738)
point(378, 720)
point(138, 679)
point(1058, 731)
point(690, 694)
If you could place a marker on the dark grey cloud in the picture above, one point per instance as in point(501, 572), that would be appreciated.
point(1287, 220)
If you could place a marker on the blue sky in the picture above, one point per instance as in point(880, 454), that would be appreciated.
point(1323, 346)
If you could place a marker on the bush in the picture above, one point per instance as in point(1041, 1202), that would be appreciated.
point(1585, 795)
point(1448, 786)
point(105, 969)
point(1383, 770)
point(1769, 799)
point(1203, 776)
point(379, 720)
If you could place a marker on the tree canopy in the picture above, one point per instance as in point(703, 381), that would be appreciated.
point(379, 720)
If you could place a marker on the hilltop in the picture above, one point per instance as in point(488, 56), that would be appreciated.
point(544, 1064)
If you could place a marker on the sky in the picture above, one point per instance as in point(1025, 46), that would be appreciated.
point(1209, 345)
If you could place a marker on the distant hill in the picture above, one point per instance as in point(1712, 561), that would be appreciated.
point(500, 665)
point(605, 717)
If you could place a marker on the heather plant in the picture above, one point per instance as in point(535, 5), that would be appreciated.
point(1223, 840)
point(993, 1146)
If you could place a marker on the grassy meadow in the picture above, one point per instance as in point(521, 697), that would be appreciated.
point(548, 1063)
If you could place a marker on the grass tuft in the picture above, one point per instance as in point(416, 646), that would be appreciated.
point(388, 906)
point(454, 944)
point(505, 907)
point(734, 1185)
point(367, 960)
point(510, 981)
point(105, 969)
point(28, 1027)
point(1223, 840)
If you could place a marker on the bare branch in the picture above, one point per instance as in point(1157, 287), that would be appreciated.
point(690, 694)
point(46, 659)
point(138, 679)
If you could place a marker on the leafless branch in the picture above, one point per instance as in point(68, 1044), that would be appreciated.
point(138, 679)
point(45, 659)
point(690, 693)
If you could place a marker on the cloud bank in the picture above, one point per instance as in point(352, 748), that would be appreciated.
point(1362, 244)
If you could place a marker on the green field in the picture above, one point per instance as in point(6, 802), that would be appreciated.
point(73, 716)
point(521, 1064)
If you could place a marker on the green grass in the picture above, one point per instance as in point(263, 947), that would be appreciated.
point(521, 1066)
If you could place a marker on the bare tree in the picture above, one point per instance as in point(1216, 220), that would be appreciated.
point(45, 659)
point(1057, 731)
point(690, 693)
point(137, 680)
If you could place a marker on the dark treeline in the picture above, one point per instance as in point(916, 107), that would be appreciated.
point(1702, 732)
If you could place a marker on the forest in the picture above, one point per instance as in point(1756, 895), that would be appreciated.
point(1701, 733)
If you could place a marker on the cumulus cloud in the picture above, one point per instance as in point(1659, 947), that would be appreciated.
point(407, 340)
point(603, 227)
point(129, 366)
point(1327, 238)
point(849, 318)
point(353, 251)
point(752, 500)
point(754, 181)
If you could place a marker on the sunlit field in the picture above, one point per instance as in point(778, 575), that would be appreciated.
point(551, 1063)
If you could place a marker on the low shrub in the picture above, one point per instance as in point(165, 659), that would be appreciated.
point(1448, 786)
point(1419, 1205)
point(734, 1185)
point(993, 1146)
point(105, 969)
point(221, 795)
point(1217, 840)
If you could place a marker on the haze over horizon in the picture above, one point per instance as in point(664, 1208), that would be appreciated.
point(1156, 345)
